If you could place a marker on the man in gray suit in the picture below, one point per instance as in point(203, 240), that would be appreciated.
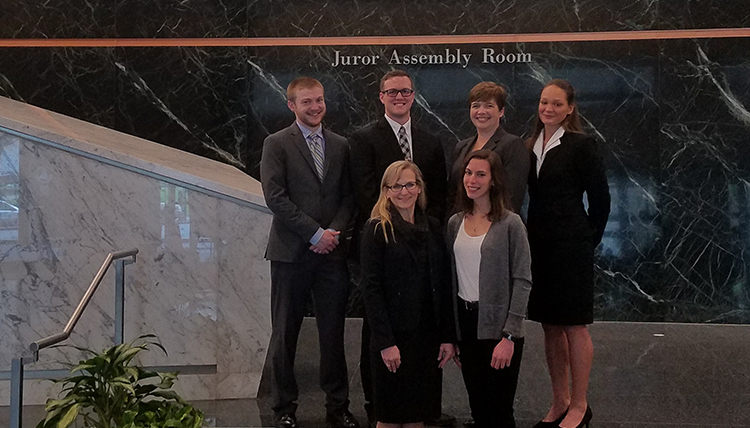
point(304, 171)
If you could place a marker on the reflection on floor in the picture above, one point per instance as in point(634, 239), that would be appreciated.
point(645, 375)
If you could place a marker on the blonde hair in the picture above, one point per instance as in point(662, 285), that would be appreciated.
point(382, 209)
point(303, 82)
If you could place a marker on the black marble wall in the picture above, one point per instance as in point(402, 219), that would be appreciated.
point(672, 115)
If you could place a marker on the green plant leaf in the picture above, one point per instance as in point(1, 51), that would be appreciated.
point(82, 367)
point(107, 391)
point(169, 395)
point(127, 355)
point(51, 404)
point(69, 416)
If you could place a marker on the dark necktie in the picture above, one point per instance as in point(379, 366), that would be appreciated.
point(404, 143)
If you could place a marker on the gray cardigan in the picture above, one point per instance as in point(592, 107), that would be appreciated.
point(504, 276)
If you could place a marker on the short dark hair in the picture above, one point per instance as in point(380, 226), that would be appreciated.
point(395, 73)
point(488, 91)
point(499, 199)
point(302, 82)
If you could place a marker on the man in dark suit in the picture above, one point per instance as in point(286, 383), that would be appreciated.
point(383, 142)
point(306, 183)
point(373, 148)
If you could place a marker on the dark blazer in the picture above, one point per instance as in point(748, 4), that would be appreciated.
point(514, 156)
point(556, 208)
point(300, 202)
point(390, 279)
point(375, 147)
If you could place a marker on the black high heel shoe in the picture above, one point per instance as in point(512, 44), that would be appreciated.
point(586, 419)
point(552, 424)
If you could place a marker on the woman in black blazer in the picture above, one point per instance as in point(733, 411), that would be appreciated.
point(565, 164)
point(486, 109)
point(406, 294)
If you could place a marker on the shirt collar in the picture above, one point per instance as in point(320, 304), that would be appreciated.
point(553, 142)
point(396, 126)
point(306, 132)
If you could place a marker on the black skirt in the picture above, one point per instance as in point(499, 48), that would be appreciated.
point(563, 276)
point(412, 393)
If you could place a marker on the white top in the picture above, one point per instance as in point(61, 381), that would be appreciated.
point(553, 142)
point(407, 127)
point(467, 250)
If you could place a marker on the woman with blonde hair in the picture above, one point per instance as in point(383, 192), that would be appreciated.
point(407, 299)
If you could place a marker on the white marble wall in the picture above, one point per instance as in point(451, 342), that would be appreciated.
point(200, 282)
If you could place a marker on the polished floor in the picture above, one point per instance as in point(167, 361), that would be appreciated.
point(645, 375)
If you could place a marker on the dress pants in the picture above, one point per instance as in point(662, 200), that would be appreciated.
point(491, 392)
point(291, 286)
point(365, 369)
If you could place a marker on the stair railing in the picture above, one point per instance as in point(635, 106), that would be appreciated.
point(120, 260)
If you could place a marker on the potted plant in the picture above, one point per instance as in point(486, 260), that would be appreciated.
point(108, 391)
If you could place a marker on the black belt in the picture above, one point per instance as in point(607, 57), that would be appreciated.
point(469, 306)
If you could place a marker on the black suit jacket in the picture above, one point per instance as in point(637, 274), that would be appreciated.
point(556, 209)
point(375, 147)
point(299, 200)
point(513, 154)
point(391, 280)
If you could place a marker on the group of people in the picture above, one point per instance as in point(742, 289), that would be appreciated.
point(447, 268)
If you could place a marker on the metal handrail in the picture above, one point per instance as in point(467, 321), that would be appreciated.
point(59, 337)
point(16, 378)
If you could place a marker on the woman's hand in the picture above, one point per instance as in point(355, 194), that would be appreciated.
point(457, 356)
point(502, 354)
point(391, 357)
point(447, 351)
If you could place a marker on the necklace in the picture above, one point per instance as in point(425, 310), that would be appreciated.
point(475, 223)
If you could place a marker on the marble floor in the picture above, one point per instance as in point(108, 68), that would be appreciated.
point(645, 375)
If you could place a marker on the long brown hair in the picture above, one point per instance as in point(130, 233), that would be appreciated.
point(572, 123)
point(382, 209)
point(499, 199)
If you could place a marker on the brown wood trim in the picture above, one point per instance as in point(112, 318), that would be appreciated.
point(386, 40)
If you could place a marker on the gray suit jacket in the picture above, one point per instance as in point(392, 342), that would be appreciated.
point(300, 202)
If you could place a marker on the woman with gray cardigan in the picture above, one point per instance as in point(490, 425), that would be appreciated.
point(491, 269)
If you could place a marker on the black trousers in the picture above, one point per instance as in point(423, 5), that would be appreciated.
point(491, 392)
point(365, 369)
point(291, 286)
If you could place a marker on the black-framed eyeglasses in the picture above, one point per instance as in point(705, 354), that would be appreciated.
point(398, 187)
point(406, 92)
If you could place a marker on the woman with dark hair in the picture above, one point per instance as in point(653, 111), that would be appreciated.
point(565, 165)
point(407, 299)
point(486, 109)
point(491, 283)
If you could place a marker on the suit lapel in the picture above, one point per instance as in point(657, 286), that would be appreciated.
point(549, 159)
point(330, 151)
point(495, 139)
point(301, 144)
point(416, 142)
point(390, 145)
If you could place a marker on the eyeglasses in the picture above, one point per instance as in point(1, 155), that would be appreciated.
point(406, 92)
point(396, 188)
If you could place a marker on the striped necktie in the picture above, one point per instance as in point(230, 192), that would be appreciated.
point(404, 143)
point(316, 149)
